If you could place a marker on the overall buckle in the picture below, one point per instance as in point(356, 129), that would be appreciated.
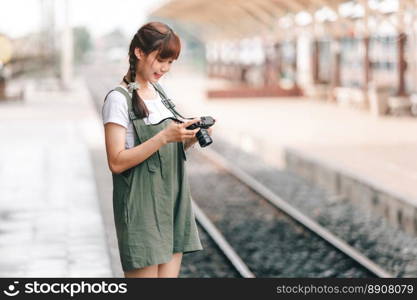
point(168, 103)
point(132, 115)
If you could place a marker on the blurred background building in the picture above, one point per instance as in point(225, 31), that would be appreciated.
point(356, 53)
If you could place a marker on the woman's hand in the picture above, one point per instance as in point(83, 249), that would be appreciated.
point(210, 130)
point(177, 132)
point(191, 141)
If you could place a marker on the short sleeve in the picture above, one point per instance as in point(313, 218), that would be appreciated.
point(115, 109)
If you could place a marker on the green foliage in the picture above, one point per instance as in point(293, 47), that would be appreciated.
point(82, 43)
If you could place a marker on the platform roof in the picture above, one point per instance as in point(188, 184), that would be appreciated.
point(238, 18)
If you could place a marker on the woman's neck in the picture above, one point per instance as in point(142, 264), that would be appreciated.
point(139, 79)
point(142, 82)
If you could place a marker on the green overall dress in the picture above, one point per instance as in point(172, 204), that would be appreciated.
point(152, 202)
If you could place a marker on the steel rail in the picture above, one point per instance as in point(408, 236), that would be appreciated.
point(222, 243)
point(294, 213)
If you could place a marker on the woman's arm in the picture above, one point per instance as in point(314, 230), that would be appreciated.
point(121, 159)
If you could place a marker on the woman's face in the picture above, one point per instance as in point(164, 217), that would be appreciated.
point(153, 68)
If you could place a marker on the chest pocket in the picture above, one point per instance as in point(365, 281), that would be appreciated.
point(144, 133)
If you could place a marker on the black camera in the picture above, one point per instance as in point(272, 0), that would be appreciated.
point(202, 135)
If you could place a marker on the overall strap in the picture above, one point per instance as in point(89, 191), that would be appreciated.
point(166, 101)
point(107, 95)
point(132, 115)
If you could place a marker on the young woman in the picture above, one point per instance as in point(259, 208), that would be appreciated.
point(154, 220)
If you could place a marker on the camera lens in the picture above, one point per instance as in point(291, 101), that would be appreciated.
point(203, 137)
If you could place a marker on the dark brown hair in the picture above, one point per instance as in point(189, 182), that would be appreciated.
point(150, 37)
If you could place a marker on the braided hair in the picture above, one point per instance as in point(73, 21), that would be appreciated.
point(150, 37)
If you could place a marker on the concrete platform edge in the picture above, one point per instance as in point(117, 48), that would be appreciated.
point(397, 209)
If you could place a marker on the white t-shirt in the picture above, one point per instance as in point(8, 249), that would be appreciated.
point(115, 110)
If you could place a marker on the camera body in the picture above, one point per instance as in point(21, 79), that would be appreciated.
point(202, 135)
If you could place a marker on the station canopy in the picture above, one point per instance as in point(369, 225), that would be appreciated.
point(242, 18)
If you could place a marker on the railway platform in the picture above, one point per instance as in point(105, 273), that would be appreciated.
point(50, 219)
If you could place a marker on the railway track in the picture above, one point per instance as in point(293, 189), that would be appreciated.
point(222, 244)
point(295, 214)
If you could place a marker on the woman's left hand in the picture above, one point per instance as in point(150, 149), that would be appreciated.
point(191, 141)
point(210, 130)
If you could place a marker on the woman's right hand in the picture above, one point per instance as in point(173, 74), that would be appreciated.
point(177, 132)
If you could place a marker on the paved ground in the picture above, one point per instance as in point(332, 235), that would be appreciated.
point(50, 221)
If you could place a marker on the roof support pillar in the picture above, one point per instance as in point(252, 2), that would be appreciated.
point(401, 41)
point(315, 67)
point(366, 62)
point(336, 62)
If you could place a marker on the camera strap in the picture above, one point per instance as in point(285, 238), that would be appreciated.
point(166, 101)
